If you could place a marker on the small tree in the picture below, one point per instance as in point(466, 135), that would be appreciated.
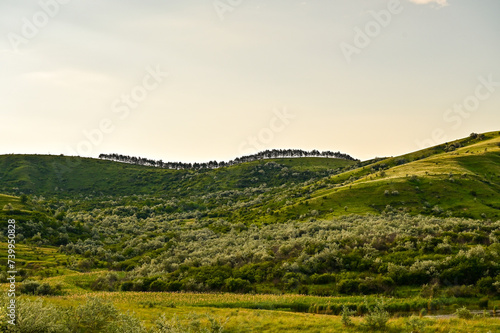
point(346, 316)
point(24, 199)
point(377, 316)
point(464, 313)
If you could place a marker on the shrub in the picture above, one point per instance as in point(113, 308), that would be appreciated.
point(97, 315)
point(35, 316)
point(29, 287)
point(47, 289)
point(106, 282)
point(237, 285)
point(414, 324)
point(127, 286)
point(35, 288)
point(347, 286)
point(158, 285)
point(346, 316)
point(429, 290)
point(461, 291)
point(194, 325)
point(323, 278)
point(464, 313)
point(174, 286)
point(483, 303)
point(485, 285)
point(377, 316)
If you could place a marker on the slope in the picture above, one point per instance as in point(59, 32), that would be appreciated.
point(69, 176)
point(460, 178)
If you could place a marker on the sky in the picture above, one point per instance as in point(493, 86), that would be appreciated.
point(200, 80)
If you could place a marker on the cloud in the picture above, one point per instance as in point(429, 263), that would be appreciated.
point(440, 3)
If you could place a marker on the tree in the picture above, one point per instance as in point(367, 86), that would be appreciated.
point(24, 199)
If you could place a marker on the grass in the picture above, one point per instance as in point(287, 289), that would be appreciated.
point(464, 182)
point(149, 306)
point(42, 263)
point(15, 202)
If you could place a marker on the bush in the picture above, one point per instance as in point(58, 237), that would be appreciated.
point(461, 291)
point(486, 285)
point(429, 290)
point(127, 286)
point(35, 316)
point(323, 278)
point(483, 303)
point(414, 324)
point(29, 287)
point(194, 325)
point(35, 288)
point(346, 316)
point(347, 287)
point(174, 286)
point(158, 285)
point(106, 282)
point(375, 286)
point(464, 313)
point(97, 315)
point(377, 316)
point(237, 285)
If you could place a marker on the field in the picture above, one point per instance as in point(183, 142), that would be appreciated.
point(276, 245)
point(189, 308)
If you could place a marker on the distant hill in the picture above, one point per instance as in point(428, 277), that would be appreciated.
point(459, 178)
point(68, 176)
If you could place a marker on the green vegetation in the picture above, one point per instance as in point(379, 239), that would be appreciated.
point(360, 242)
point(154, 312)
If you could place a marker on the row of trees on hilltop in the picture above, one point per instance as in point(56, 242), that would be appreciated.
point(266, 154)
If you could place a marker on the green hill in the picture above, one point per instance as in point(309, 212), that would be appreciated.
point(66, 176)
point(459, 178)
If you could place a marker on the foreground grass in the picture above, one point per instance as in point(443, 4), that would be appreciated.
point(188, 307)
point(150, 306)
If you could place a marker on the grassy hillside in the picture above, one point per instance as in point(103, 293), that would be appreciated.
point(69, 176)
point(461, 178)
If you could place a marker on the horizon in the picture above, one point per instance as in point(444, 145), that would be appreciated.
point(199, 81)
point(239, 156)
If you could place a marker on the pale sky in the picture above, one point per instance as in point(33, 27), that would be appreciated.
point(366, 77)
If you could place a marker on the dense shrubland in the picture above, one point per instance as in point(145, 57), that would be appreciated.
point(228, 241)
point(348, 255)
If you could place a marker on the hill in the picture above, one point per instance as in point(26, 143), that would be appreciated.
point(68, 176)
point(459, 178)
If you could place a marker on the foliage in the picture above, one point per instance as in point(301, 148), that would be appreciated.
point(464, 313)
point(346, 316)
point(37, 288)
point(377, 316)
point(414, 324)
